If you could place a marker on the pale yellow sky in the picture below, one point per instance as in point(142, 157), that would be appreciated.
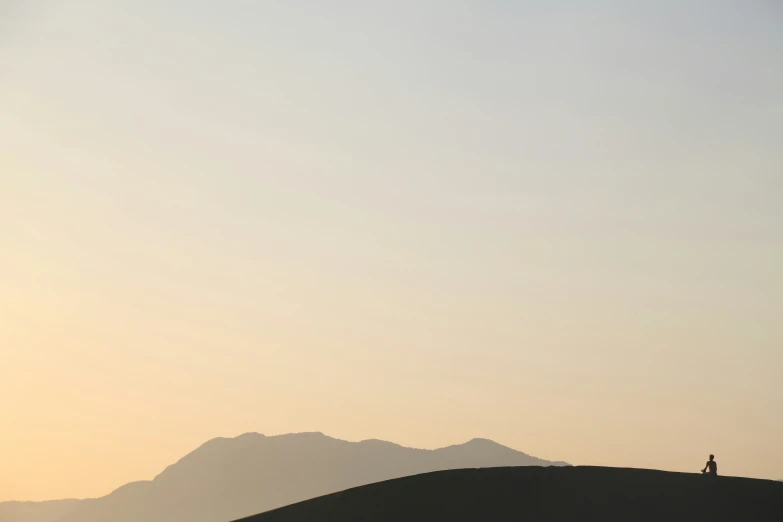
point(557, 228)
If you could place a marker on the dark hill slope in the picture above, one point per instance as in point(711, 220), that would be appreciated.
point(545, 494)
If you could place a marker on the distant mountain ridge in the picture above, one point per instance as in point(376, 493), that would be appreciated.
point(49, 511)
point(229, 478)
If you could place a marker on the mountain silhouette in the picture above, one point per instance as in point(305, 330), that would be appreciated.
point(545, 494)
point(230, 478)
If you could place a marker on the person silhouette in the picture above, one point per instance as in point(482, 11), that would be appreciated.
point(711, 468)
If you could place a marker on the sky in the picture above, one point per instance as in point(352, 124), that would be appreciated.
point(555, 226)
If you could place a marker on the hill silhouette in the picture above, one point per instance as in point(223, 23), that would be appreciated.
point(545, 494)
point(228, 478)
point(50, 511)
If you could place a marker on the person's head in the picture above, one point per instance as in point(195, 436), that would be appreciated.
point(712, 457)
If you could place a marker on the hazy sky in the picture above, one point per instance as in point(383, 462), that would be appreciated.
point(558, 227)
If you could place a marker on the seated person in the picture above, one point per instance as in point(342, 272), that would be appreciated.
point(712, 466)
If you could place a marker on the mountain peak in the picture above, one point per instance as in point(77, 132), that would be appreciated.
point(250, 435)
point(379, 443)
point(232, 477)
point(478, 441)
